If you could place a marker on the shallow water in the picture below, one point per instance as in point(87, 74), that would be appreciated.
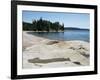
point(66, 35)
point(37, 60)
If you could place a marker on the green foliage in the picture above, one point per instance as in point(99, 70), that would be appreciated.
point(43, 25)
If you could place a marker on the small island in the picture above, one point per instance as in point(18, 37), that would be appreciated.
point(43, 26)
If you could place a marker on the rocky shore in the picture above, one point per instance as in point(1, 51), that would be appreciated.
point(40, 52)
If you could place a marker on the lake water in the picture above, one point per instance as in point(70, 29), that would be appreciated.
point(66, 35)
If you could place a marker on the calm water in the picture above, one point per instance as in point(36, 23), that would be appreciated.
point(66, 35)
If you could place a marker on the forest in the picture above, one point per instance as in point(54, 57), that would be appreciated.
point(43, 25)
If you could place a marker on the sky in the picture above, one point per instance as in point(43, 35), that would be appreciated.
point(79, 20)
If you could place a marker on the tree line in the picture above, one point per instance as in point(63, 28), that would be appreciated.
point(43, 25)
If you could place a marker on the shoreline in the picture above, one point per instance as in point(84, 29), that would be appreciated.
point(41, 49)
point(43, 31)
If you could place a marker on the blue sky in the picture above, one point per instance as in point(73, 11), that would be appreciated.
point(79, 20)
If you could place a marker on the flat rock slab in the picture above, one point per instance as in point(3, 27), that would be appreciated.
point(44, 53)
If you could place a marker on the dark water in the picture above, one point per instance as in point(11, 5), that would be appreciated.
point(66, 35)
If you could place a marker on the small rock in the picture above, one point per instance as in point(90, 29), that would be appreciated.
point(78, 63)
point(52, 42)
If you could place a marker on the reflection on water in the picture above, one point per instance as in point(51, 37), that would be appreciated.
point(66, 35)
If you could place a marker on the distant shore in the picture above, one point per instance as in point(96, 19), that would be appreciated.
point(40, 52)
